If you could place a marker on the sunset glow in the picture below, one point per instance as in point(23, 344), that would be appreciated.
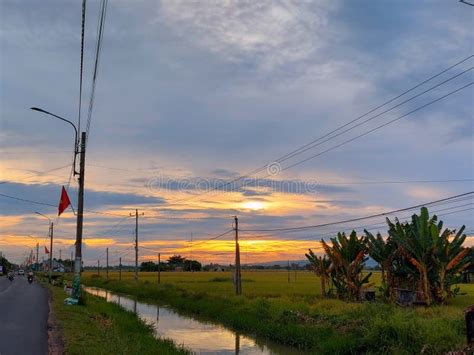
point(275, 122)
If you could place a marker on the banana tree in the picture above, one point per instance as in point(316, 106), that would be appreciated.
point(348, 255)
point(416, 241)
point(383, 251)
point(449, 260)
point(322, 267)
point(437, 254)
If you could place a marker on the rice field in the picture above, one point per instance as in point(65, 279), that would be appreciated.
point(262, 283)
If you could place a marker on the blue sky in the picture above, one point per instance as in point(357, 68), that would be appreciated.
point(205, 91)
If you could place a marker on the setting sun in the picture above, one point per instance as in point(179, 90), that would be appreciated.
point(254, 205)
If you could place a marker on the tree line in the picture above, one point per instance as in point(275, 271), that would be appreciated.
point(175, 262)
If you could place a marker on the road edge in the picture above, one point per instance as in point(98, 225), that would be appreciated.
point(55, 338)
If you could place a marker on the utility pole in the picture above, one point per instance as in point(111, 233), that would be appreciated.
point(237, 278)
point(51, 232)
point(37, 260)
point(107, 265)
point(288, 268)
point(120, 269)
point(80, 217)
point(159, 268)
point(98, 267)
point(136, 243)
point(60, 254)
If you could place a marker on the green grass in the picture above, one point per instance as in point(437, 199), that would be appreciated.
point(99, 327)
point(294, 314)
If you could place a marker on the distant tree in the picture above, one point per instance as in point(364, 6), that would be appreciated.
point(176, 260)
point(148, 266)
point(5, 263)
point(192, 265)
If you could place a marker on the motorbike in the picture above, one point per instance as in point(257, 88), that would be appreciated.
point(30, 279)
point(11, 277)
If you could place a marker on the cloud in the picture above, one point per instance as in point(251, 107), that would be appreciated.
point(205, 90)
point(49, 194)
point(246, 186)
point(270, 33)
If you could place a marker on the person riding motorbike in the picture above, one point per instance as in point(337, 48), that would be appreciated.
point(11, 276)
point(30, 277)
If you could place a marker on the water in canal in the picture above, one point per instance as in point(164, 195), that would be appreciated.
point(198, 336)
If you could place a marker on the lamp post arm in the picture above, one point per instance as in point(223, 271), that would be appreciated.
point(62, 119)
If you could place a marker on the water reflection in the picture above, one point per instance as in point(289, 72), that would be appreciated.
point(201, 337)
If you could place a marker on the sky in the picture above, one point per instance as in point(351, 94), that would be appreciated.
point(192, 95)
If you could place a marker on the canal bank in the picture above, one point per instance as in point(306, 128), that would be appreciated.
point(200, 336)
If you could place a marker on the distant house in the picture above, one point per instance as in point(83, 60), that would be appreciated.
point(57, 266)
point(220, 268)
point(468, 273)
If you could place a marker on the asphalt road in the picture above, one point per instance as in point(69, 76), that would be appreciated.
point(23, 317)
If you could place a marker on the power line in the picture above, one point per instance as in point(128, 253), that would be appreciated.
point(396, 182)
point(363, 134)
point(213, 238)
point(359, 218)
point(34, 174)
point(313, 145)
point(28, 201)
point(295, 152)
point(100, 33)
point(83, 23)
point(188, 218)
point(367, 226)
point(380, 126)
point(51, 205)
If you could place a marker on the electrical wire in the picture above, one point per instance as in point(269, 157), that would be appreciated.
point(359, 218)
point(362, 227)
point(297, 151)
point(83, 25)
point(100, 33)
point(380, 126)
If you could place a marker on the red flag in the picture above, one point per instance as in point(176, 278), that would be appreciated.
point(46, 251)
point(64, 201)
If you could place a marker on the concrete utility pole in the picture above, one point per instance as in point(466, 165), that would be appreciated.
point(136, 243)
point(98, 267)
point(120, 269)
point(60, 254)
point(159, 268)
point(237, 278)
point(80, 217)
point(107, 265)
point(288, 268)
point(51, 232)
point(37, 260)
point(51, 228)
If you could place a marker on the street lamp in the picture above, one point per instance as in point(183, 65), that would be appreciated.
point(80, 201)
point(51, 228)
point(65, 120)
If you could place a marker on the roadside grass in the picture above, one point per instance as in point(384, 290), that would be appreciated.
point(294, 313)
point(99, 327)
